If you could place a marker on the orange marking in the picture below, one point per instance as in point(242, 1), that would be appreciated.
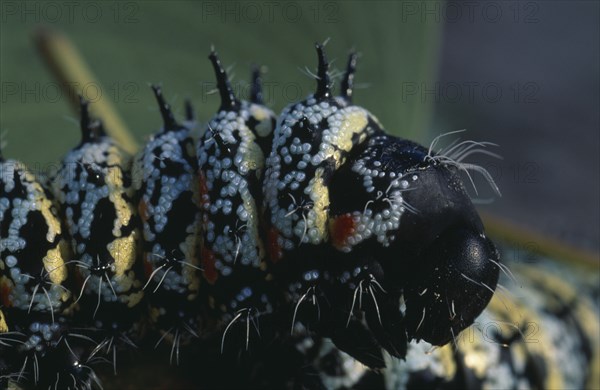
point(340, 229)
point(203, 189)
point(273, 247)
point(143, 210)
point(208, 264)
point(5, 295)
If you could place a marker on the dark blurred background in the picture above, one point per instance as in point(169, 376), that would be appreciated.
point(523, 75)
point(529, 82)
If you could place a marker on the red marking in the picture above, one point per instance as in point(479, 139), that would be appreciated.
point(148, 269)
point(143, 210)
point(340, 229)
point(273, 247)
point(5, 295)
point(203, 188)
point(208, 264)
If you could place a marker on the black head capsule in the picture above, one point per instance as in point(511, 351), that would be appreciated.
point(228, 100)
point(454, 288)
point(414, 215)
point(448, 268)
point(347, 85)
point(456, 264)
point(256, 92)
point(165, 110)
point(323, 81)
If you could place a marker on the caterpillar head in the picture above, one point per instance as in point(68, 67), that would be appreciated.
point(414, 212)
point(446, 247)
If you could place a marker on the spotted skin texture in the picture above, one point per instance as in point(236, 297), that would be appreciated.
point(95, 196)
point(313, 138)
point(379, 191)
point(34, 273)
point(33, 245)
point(231, 167)
point(231, 162)
point(167, 196)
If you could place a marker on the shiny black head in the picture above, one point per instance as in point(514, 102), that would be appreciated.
point(455, 282)
point(446, 266)
point(431, 244)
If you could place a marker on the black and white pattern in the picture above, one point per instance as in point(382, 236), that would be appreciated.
point(299, 250)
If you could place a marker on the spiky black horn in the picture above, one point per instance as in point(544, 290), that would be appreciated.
point(323, 81)
point(228, 99)
point(348, 80)
point(165, 109)
point(256, 92)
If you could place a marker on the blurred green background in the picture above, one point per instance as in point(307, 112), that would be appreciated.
point(130, 44)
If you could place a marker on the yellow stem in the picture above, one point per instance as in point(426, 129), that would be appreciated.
point(73, 74)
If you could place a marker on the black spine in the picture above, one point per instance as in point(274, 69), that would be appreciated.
point(256, 92)
point(87, 128)
point(165, 110)
point(228, 99)
point(190, 115)
point(323, 81)
point(348, 80)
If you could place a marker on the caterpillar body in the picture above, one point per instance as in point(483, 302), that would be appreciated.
point(231, 165)
point(94, 194)
point(167, 203)
point(314, 235)
point(36, 285)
